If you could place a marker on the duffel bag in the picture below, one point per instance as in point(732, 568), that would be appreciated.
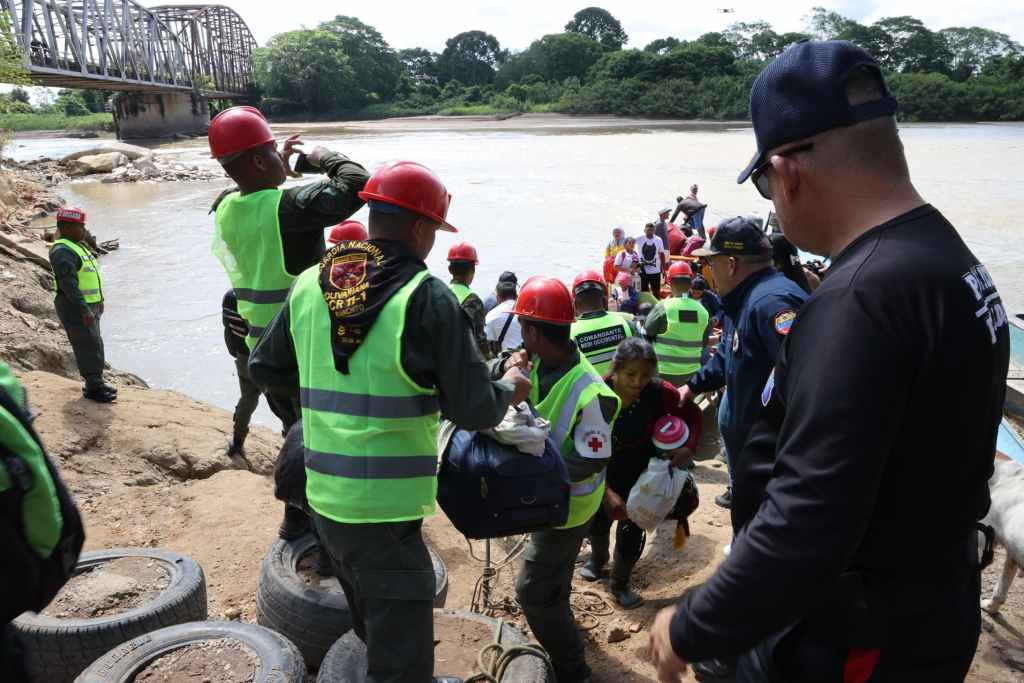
point(489, 490)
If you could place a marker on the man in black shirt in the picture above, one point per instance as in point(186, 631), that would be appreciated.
point(856, 556)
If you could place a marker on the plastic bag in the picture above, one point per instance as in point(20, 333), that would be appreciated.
point(654, 494)
point(521, 429)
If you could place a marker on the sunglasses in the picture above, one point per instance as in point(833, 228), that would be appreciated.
point(758, 176)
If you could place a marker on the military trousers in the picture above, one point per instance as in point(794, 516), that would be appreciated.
point(543, 588)
point(86, 341)
point(388, 579)
point(248, 399)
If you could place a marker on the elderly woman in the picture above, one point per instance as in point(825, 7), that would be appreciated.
point(644, 398)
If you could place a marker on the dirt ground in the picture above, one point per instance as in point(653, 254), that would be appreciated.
point(150, 470)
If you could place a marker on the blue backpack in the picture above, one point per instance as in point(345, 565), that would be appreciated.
point(490, 490)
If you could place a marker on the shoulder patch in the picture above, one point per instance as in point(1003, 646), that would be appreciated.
point(783, 321)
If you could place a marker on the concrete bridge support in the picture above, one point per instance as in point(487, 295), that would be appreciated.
point(160, 115)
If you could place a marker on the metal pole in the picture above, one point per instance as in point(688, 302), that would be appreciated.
point(487, 574)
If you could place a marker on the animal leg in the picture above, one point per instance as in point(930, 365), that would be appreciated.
point(993, 604)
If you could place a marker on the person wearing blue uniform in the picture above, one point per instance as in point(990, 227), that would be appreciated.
point(758, 307)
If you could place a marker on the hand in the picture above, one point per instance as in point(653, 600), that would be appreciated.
point(614, 506)
point(686, 395)
point(291, 147)
point(521, 382)
point(520, 359)
point(670, 668)
point(681, 456)
point(88, 319)
point(316, 156)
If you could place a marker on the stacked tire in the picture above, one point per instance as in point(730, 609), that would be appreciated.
point(57, 650)
point(312, 616)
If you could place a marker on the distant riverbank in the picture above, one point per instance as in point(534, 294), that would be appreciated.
point(103, 121)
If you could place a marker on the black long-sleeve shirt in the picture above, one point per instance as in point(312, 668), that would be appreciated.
point(305, 210)
point(438, 350)
point(875, 447)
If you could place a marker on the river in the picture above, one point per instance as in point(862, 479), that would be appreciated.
point(535, 194)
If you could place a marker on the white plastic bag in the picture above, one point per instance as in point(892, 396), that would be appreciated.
point(654, 494)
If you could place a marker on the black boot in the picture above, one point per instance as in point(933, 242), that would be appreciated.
point(237, 445)
point(594, 568)
point(101, 394)
point(715, 670)
point(294, 524)
point(724, 500)
point(619, 585)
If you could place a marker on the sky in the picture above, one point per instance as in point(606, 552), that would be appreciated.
point(517, 23)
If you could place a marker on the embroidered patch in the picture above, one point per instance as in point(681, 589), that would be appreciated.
point(766, 393)
point(784, 321)
point(349, 270)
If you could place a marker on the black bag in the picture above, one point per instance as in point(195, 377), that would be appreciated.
point(687, 502)
point(490, 490)
point(27, 581)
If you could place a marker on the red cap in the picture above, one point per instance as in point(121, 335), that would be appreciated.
point(463, 251)
point(680, 269)
point(237, 129)
point(589, 276)
point(547, 300)
point(70, 214)
point(411, 186)
point(346, 231)
point(670, 432)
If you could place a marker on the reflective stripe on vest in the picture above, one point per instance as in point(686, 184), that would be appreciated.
point(460, 291)
point(679, 347)
point(562, 406)
point(88, 273)
point(598, 337)
point(370, 435)
point(248, 244)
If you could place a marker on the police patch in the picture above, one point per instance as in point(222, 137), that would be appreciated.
point(766, 393)
point(784, 321)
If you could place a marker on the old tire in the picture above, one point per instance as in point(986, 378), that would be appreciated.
point(279, 660)
point(346, 660)
point(312, 617)
point(57, 650)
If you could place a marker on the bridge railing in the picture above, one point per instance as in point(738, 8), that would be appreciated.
point(121, 45)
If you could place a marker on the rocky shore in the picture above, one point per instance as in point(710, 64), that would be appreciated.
point(114, 162)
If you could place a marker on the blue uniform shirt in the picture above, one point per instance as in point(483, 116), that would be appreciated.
point(756, 317)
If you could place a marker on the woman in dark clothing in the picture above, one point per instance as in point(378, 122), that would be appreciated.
point(645, 398)
point(787, 261)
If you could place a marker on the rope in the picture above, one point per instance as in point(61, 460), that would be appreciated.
point(588, 607)
point(481, 602)
point(492, 669)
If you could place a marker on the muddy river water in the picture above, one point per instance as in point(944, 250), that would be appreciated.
point(534, 194)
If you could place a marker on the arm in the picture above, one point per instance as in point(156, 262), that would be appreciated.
point(592, 439)
point(438, 345)
point(675, 214)
point(712, 375)
point(474, 308)
point(656, 322)
point(824, 486)
point(317, 205)
point(272, 363)
point(65, 264)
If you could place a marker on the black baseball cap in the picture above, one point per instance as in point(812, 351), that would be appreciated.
point(736, 236)
point(803, 93)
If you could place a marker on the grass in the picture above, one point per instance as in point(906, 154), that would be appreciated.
point(24, 122)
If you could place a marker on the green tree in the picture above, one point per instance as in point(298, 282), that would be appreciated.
point(913, 47)
point(564, 55)
point(973, 47)
point(19, 94)
point(825, 24)
point(625, 64)
point(70, 103)
point(470, 57)
point(373, 62)
point(420, 65)
point(752, 40)
point(12, 65)
point(600, 25)
point(308, 69)
point(695, 61)
point(661, 45)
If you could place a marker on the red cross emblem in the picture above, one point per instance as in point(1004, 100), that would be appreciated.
point(595, 444)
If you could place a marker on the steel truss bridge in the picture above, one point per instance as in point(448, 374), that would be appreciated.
point(121, 45)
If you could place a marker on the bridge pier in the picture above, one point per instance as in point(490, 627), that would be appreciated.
point(160, 115)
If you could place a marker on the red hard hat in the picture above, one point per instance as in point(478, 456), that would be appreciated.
point(348, 230)
point(680, 269)
point(410, 186)
point(545, 299)
point(624, 280)
point(70, 214)
point(463, 251)
point(237, 129)
point(589, 276)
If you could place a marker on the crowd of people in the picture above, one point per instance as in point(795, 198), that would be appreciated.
point(831, 387)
